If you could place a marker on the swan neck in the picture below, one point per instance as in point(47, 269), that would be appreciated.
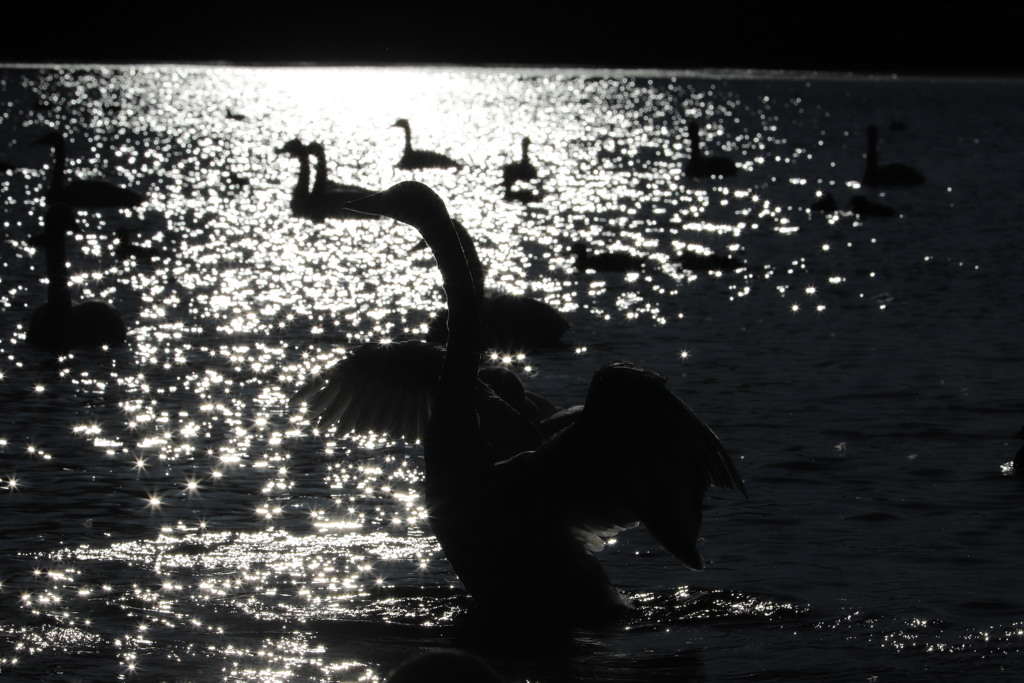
point(58, 295)
point(301, 191)
point(320, 179)
point(695, 151)
point(872, 157)
point(462, 357)
point(59, 164)
point(408, 137)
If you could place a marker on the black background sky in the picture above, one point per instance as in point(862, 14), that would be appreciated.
point(945, 38)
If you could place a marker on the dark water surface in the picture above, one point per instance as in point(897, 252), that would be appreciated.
point(168, 516)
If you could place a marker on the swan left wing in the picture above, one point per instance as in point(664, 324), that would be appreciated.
point(381, 388)
point(390, 389)
point(635, 453)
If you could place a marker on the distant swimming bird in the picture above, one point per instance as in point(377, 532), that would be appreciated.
point(886, 175)
point(609, 261)
point(702, 166)
point(862, 206)
point(60, 324)
point(83, 194)
point(510, 322)
point(521, 533)
point(519, 170)
point(327, 199)
point(825, 202)
point(418, 158)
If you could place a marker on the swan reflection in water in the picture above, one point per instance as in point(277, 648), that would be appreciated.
point(521, 533)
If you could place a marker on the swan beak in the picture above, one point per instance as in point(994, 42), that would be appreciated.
point(372, 204)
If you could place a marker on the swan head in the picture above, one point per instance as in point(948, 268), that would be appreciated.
point(409, 202)
point(292, 148)
point(401, 123)
point(315, 148)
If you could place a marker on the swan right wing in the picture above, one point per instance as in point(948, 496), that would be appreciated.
point(635, 453)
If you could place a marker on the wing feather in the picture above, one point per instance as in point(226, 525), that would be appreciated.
point(635, 453)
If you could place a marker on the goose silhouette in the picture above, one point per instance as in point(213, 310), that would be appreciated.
point(519, 170)
point(60, 324)
point(419, 158)
point(886, 175)
point(701, 165)
point(83, 194)
point(606, 261)
point(521, 533)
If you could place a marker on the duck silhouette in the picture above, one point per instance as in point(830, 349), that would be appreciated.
point(701, 165)
point(419, 158)
point(83, 194)
point(60, 324)
point(886, 175)
point(521, 533)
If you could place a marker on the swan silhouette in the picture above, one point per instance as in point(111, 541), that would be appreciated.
point(83, 194)
point(521, 533)
point(420, 158)
point(519, 170)
point(702, 166)
point(326, 199)
point(60, 324)
point(511, 322)
point(886, 175)
point(608, 261)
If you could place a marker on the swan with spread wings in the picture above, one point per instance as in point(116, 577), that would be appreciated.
point(521, 532)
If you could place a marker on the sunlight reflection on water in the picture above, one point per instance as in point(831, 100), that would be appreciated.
point(200, 508)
